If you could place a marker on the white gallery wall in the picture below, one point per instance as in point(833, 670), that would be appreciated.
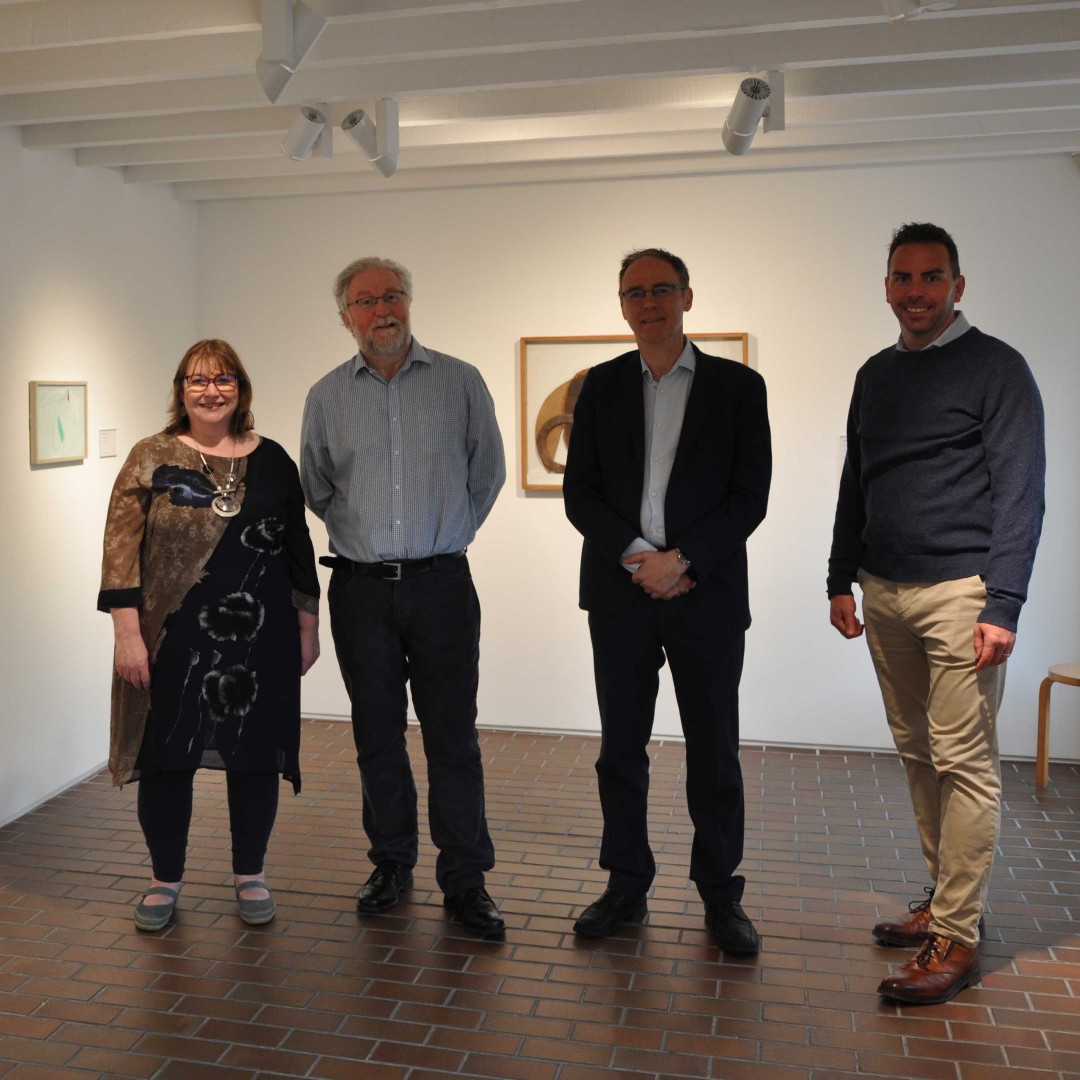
point(795, 260)
point(109, 283)
point(97, 284)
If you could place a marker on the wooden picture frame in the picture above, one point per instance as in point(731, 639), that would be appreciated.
point(551, 372)
point(57, 422)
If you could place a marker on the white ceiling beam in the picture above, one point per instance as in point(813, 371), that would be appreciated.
point(1065, 124)
point(421, 80)
point(903, 76)
point(177, 150)
point(710, 164)
point(668, 97)
point(42, 24)
point(163, 98)
point(1041, 108)
point(128, 62)
point(219, 124)
point(719, 26)
point(45, 24)
point(167, 88)
point(431, 57)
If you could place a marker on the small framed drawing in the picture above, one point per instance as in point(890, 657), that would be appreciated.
point(57, 422)
point(552, 371)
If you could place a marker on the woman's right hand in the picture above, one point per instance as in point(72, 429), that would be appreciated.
point(130, 657)
point(133, 662)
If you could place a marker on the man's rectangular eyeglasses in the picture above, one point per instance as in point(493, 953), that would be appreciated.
point(223, 380)
point(658, 292)
point(368, 302)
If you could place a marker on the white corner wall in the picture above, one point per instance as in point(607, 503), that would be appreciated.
point(97, 283)
point(797, 261)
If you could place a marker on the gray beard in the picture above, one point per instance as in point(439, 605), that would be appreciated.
point(371, 345)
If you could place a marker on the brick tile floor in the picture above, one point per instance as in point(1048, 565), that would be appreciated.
point(830, 847)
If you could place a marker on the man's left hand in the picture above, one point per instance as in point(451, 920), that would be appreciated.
point(660, 574)
point(993, 645)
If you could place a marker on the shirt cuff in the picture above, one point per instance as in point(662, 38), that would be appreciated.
point(640, 544)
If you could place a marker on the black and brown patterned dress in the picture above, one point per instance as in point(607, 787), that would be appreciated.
point(217, 601)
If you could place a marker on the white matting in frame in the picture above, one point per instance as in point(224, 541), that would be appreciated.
point(57, 422)
point(552, 369)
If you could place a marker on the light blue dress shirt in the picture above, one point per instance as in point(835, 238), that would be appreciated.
point(665, 408)
point(403, 469)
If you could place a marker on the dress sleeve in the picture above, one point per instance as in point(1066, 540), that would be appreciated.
point(125, 527)
point(301, 552)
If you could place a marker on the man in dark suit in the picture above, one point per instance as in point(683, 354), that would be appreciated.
point(667, 474)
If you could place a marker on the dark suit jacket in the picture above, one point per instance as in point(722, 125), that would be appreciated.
point(716, 497)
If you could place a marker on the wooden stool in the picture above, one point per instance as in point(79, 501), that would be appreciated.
point(1062, 673)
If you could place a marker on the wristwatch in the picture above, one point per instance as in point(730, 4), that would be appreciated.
point(682, 558)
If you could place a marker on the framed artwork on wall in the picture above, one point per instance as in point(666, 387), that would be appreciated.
point(57, 422)
point(552, 370)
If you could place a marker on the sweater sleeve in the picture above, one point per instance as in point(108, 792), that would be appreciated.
point(1014, 446)
point(850, 519)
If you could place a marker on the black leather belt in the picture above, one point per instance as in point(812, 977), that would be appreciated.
point(389, 571)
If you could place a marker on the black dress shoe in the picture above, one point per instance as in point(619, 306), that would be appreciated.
point(476, 911)
point(604, 916)
point(731, 928)
point(384, 888)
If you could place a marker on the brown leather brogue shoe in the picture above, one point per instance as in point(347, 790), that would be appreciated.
point(910, 929)
point(940, 970)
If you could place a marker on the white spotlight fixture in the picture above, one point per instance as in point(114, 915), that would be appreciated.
point(378, 141)
point(895, 10)
point(754, 100)
point(289, 28)
point(306, 130)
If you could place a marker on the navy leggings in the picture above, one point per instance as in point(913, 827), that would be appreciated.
point(165, 803)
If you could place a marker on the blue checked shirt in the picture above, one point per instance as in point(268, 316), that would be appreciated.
point(405, 469)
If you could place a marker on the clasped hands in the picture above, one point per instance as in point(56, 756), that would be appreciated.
point(660, 574)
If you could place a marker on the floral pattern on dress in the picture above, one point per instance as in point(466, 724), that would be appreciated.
point(234, 617)
point(186, 487)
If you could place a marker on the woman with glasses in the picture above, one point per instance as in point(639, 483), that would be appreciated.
point(209, 575)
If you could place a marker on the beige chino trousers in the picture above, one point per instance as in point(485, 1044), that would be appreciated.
point(943, 717)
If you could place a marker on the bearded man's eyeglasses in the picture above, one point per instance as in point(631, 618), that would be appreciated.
point(368, 303)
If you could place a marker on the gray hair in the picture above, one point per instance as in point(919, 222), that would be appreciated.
point(368, 262)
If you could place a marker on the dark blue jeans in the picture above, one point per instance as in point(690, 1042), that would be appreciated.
point(424, 631)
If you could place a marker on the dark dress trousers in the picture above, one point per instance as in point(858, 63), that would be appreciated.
point(716, 497)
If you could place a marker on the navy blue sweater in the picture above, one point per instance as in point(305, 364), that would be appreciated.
point(944, 472)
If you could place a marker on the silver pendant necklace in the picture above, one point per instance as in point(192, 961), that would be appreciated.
point(224, 503)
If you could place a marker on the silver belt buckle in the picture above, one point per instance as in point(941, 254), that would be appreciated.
point(396, 576)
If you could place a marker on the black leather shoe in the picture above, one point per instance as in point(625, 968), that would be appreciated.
point(604, 916)
point(731, 928)
point(476, 911)
point(384, 888)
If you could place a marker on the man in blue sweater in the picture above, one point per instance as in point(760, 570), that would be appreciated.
point(938, 518)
